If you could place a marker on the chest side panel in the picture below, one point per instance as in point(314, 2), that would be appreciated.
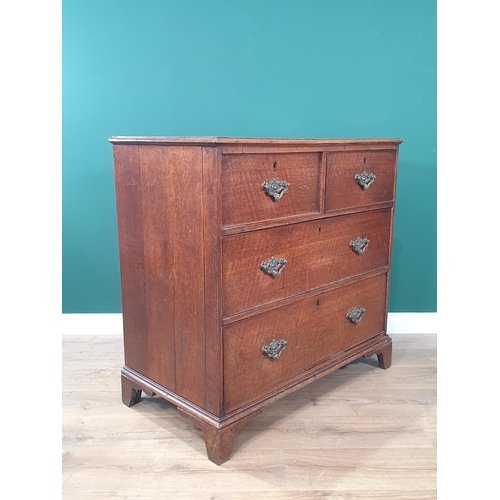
point(131, 245)
point(170, 214)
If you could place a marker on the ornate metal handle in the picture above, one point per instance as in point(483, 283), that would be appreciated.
point(355, 315)
point(274, 349)
point(274, 267)
point(275, 189)
point(360, 245)
point(365, 180)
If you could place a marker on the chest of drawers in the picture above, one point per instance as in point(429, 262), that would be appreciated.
point(249, 268)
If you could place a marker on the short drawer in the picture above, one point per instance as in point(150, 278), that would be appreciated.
point(355, 179)
point(260, 187)
point(314, 329)
point(316, 253)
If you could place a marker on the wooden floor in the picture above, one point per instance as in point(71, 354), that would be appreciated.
point(358, 433)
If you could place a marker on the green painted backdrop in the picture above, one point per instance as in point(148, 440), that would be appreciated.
point(254, 68)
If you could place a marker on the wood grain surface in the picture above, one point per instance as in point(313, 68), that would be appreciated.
point(314, 328)
point(357, 433)
point(163, 289)
point(247, 141)
point(317, 253)
point(132, 265)
point(243, 199)
point(342, 191)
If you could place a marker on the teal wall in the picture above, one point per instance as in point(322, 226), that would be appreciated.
point(255, 68)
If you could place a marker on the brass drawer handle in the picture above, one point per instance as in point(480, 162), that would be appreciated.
point(365, 180)
point(359, 245)
point(274, 267)
point(355, 315)
point(274, 349)
point(275, 189)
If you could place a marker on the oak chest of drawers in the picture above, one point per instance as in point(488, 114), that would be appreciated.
point(249, 268)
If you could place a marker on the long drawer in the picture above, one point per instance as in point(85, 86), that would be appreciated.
point(316, 253)
point(313, 329)
point(259, 187)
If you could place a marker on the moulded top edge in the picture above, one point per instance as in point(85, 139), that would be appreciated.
point(212, 141)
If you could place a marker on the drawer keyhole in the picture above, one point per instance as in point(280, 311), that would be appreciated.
point(317, 304)
point(275, 166)
point(319, 229)
point(364, 160)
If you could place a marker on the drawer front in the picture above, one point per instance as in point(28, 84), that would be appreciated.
point(294, 192)
point(314, 329)
point(349, 181)
point(316, 252)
